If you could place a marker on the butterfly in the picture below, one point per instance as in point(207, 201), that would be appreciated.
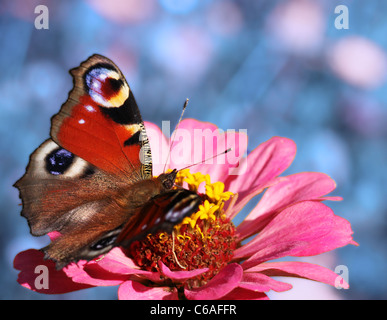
point(92, 180)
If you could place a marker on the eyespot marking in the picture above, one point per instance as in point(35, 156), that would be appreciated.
point(51, 159)
point(59, 161)
point(106, 87)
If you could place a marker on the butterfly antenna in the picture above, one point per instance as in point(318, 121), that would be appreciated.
point(194, 164)
point(174, 133)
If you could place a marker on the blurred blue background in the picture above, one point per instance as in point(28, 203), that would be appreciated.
point(271, 67)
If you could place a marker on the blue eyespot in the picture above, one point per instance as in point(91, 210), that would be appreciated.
point(58, 161)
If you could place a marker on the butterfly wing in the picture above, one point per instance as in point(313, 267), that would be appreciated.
point(162, 212)
point(101, 123)
point(76, 183)
point(62, 192)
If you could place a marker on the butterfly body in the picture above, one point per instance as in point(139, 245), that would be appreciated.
point(92, 180)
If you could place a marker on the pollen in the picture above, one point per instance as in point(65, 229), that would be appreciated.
point(206, 239)
point(215, 192)
point(194, 180)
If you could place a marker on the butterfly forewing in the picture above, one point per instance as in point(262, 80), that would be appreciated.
point(101, 123)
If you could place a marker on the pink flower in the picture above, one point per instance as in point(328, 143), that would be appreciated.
point(206, 258)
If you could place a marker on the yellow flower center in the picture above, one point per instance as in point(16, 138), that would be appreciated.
point(206, 239)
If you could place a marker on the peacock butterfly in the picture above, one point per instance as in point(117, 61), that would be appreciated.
point(92, 180)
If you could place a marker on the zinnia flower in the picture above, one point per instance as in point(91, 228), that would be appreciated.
point(207, 256)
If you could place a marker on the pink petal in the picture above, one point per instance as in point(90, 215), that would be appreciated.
point(133, 290)
point(278, 250)
point(180, 275)
point(58, 281)
point(197, 141)
point(184, 151)
point(159, 147)
point(261, 166)
point(92, 274)
point(117, 262)
point(292, 230)
point(333, 198)
point(291, 189)
point(244, 294)
point(220, 167)
point(339, 236)
point(300, 270)
point(262, 283)
point(220, 285)
point(192, 124)
point(53, 235)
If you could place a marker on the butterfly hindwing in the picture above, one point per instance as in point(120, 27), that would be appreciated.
point(57, 183)
point(162, 212)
